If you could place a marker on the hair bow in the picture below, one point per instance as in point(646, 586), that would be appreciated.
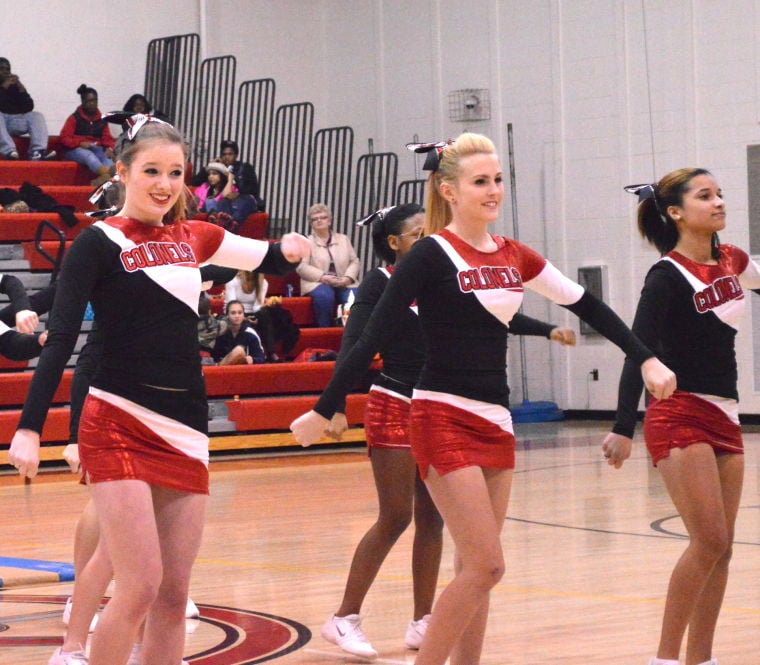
point(100, 191)
point(374, 216)
point(647, 191)
point(643, 191)
point(434, 150)
point(137, 121)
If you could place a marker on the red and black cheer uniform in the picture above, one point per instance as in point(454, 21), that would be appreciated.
point(690, 313)
point(386, 416)
point(146, 414)
point(466, 299)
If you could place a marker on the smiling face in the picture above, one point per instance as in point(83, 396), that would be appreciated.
point(154, 181)
point(702, 210)
point(477, 192)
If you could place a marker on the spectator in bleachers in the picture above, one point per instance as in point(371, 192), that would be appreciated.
point(240, 344)
point(88, 138)
point(219, 196)
point(246, 180)
point(138, 103)
point(209, 328)
point(209, 193)
point(17, 116)
point(331, 273)
point(272, 322)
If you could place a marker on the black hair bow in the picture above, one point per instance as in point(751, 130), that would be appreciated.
point(434, 150)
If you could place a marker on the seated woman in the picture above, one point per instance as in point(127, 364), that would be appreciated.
point(87, 138)
point(220, 195)
point(250, 289)
point(240, 343)
point(138, 103)
point(330, 274)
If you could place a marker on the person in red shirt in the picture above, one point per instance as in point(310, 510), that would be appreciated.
point(87, 138)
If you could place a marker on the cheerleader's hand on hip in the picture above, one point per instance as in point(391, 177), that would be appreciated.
point(24, 453)
point(658, 379)
point(295, 247)
point(309, 428)
point(616, 449)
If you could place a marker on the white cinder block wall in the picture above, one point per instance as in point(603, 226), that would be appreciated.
point(600, 93)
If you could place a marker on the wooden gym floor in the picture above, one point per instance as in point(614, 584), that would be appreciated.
point(589, 551)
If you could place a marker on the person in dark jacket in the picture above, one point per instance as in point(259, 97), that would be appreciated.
point(246, 180)
point(240, 344)
point(17, 116)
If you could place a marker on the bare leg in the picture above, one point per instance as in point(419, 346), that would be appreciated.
point(179, 519)
point(394, 472)
point(705, 618)
point(128, 527)
point(234, 357)
point(426, 550)
point(693, 482)
point(473, 503)
point(91, 584)
point(86, 538)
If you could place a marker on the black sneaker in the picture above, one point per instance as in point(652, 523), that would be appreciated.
point(12, 155)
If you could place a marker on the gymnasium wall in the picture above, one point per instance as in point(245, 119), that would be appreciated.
point(600, 93)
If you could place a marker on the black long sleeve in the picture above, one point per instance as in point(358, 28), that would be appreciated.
point(522, 324)
point(87, 363)
point(17, 346)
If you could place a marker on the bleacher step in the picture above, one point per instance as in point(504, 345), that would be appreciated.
point(9, 265)
point(11, 252)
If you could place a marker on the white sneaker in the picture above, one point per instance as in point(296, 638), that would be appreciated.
point(192, 611)
point(347, 633)
point(415, 632)
point(70, 658)
point(662, 661)
point(67, 616)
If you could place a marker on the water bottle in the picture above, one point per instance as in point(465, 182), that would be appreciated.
point(289, 290)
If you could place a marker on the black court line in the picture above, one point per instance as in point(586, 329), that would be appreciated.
point(656, 526)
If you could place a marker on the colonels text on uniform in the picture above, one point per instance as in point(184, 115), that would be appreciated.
point(149, 254)
point(489, 277)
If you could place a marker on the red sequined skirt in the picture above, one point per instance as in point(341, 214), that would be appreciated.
point(386, 419)
point(120, 440)
point(449, 437)
point(684, 419)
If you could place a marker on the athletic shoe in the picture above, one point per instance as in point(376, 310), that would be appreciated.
point(415, 632)
point(67, 616)
point(11, 155)
point(662, 661)
point(347, 633)
point(70, 658)
point(192, 611)
point(40, 156)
